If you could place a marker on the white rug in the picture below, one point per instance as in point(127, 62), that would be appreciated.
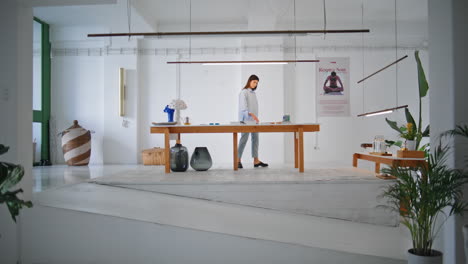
point(156, 175)
point(340, 193)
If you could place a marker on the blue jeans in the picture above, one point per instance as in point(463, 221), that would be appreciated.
point(243, 142)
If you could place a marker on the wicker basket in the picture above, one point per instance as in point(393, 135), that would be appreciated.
point(154, 156)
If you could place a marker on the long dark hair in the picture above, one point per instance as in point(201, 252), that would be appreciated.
point(252, 77)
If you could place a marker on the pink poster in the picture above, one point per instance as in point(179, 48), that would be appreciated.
point(333, 87)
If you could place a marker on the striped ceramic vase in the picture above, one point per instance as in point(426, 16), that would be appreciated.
point(76, 145)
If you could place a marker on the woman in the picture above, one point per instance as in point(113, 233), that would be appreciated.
point(248, 111)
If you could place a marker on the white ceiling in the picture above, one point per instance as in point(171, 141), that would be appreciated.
point(219, 15)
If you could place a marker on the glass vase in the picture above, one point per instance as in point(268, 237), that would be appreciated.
point(201, 159)
point(179, 158)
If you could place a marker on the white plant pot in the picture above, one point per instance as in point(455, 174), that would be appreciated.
point(415, 259)
point(411, 144)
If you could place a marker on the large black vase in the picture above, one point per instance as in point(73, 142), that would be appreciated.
point(179, 158)
point(201, 159)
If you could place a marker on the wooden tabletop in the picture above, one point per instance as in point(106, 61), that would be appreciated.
point(228, 128)
point(388, 157)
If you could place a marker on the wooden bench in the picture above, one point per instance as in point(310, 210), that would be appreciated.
point(389, 160)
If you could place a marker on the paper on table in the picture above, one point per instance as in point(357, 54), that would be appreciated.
point(163, 123)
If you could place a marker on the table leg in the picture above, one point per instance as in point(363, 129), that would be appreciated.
point(377, 168)
point(178, 138)
point(301, 150)
point(167, 151)
point(355, 158)
point(234, 149)
point(385, 176)
point(296, 151)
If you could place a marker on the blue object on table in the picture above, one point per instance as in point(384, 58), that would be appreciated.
point(170, 113)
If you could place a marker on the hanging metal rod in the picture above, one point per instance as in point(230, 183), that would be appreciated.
point(395, 62)
point(384, 111)
point(242, 62)
point(261, 32)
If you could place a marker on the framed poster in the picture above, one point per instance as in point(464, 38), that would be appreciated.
point(332, 87)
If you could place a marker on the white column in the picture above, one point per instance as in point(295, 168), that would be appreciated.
point(448, 40)
point(16, 22)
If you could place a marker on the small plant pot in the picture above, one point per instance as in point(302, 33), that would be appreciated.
point(411, 144)
point(436, 258)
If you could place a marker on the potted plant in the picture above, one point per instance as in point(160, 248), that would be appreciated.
point(10, 175)
point(416, 128)
point(421, 194)
point(409, 134)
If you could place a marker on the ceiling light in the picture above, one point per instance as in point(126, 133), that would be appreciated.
point(256, 62)
point(395, 62)
point(241, 63)
point(250, 32)
point(382, 112)
point(379, 113)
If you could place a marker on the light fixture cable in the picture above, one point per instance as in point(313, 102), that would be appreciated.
point(190, 29)
point(362, 42)
point(324, 18)
point(295, 36)
point(396, 56)
point(129, 17)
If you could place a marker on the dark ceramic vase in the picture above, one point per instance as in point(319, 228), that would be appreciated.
point(179, 158)
point(201, 159)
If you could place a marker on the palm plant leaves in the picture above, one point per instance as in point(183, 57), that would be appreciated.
point(421, 194)
point(15, 174)
point(3, 149)
point(423, 85)
point(10, 175)
point(398, 143)
point(410, 119)
point(393, 125)
point(423, 89)
point(13, 203)
point(426, 132)
point(460, 130)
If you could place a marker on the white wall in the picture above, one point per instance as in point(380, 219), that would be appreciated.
point(77, 93)
point(120, 133)
point(211, 91)
point(211, 94)
point(341, 136)
point(79, 237)
point(15, 110)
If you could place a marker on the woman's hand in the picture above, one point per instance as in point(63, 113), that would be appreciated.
point(254, 117)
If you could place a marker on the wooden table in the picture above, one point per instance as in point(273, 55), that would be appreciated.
point(297, 129)
point(389, 160)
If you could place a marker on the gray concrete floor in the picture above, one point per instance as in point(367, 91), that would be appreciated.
point(75, 188)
